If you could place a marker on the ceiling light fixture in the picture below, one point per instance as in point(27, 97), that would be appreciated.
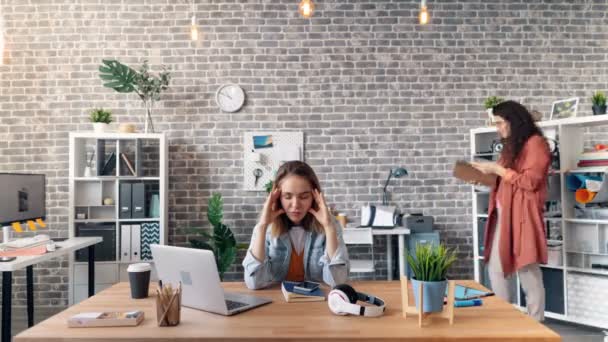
point(305, 8)
point(424, 13)
point(193, 26)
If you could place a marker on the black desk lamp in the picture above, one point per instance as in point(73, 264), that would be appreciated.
point(397, 173)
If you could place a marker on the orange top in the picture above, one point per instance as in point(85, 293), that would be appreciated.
point(296, 266)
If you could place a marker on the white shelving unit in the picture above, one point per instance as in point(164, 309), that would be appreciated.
point(575, 292)
point(96, 201)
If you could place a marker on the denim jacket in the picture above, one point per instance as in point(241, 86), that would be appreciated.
point(317, 266)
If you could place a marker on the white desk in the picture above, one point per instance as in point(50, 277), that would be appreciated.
point(401, 232)
point(7, 269)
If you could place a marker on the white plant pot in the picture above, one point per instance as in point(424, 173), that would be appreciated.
point(100, 127)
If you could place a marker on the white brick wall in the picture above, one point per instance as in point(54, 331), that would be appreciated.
point(369, 87)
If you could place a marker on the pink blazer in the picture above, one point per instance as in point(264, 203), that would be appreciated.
point(522, 198)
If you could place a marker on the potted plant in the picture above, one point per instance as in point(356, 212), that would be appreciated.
point(489, 104)
point(599, 103)
point(147, 86)
point(430, 265)
point(101, 119)
point(222, 242)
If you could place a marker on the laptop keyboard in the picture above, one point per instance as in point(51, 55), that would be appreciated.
point(234, 305)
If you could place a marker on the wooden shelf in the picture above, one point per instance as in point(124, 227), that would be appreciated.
point(551, 266)
point(147, 219)
point(95, 220)
point(586, 253)
point(588, 221)
point(591, 169)
point(587, 270)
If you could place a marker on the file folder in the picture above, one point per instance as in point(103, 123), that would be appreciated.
point(138, 200)
point(125, 243)
point(125, 201)
point(135, 242)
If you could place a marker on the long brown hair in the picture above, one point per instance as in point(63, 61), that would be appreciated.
point(281, 224)
point(522, 127)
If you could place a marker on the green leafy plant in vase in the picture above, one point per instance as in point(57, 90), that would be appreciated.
point(101, 119)
point(429, 266)
point(147, 86)
point(221, 242)
point(599, 103)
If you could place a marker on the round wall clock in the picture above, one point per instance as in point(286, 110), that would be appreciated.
point(230, 98)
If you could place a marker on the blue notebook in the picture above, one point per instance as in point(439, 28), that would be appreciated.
point(294, 296)
point(462, 292)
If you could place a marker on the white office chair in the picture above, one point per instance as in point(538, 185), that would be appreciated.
point(360, 236)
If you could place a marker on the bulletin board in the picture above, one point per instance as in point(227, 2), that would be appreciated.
point(264, 152)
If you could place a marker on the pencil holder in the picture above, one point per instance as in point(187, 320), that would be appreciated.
point(168, 307)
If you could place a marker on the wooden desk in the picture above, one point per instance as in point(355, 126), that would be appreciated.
point(496, 320)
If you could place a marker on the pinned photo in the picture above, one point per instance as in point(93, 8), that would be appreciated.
point(564, 108)
point(262, 141)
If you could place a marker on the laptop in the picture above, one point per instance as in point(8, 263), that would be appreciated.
point(201, 286)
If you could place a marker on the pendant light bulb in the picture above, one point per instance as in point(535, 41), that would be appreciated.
point(305, 8)
point(424, 13)
point(193, 29)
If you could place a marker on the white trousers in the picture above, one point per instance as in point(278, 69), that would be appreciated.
point(530, 277)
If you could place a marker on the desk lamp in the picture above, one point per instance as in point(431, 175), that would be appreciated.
point(397, 173)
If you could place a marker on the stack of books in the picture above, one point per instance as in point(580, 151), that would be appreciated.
point(296, 296)
point(594, 158)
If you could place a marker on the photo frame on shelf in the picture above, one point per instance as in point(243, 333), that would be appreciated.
point(564, 108)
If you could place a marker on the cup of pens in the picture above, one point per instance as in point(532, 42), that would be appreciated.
point(168, 304)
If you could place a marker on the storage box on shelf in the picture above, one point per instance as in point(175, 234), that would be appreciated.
point(118, 190)
point(576, 276)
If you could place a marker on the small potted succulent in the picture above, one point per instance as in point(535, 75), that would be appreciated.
point(430, 265)
point(599, 103)
point(101, 119)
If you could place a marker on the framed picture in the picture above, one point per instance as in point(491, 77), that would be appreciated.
point(564, 109)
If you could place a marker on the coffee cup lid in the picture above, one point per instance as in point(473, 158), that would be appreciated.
point(139, 267)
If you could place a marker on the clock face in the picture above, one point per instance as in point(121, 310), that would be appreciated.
point(230, 98)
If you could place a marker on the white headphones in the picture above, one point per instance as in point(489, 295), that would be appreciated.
point(343, 298)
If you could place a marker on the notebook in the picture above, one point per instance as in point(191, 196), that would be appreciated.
point(466, 172)
point(291, 296)
point(462, 292)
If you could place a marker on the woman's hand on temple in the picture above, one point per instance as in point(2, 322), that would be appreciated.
point(322, 214)
point(271, 211)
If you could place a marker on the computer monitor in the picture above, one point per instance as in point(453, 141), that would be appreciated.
point(22, 197)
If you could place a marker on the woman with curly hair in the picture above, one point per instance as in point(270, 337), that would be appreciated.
point(515, 232)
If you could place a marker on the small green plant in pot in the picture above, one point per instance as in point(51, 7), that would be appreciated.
point(489, 104)
point(599, 103)
point(222, 242)
point(101, 119)
point(430, 266)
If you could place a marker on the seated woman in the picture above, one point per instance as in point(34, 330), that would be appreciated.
point(296, 238)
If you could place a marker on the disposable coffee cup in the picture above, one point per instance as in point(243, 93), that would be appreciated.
point(139, 278)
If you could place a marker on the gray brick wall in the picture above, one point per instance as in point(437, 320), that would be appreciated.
point(369, 87)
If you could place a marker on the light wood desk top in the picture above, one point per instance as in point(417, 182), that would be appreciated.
point(496, 320)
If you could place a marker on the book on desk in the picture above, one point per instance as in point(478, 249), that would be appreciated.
point(292, 296)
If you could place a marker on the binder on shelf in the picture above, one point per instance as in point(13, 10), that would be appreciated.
point(109, 166)
point(128, 163)
point(125, 201)
point(138, 200)
point(135, 242)
point(125, 243)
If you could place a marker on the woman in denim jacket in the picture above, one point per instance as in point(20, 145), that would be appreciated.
point(296, 238)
